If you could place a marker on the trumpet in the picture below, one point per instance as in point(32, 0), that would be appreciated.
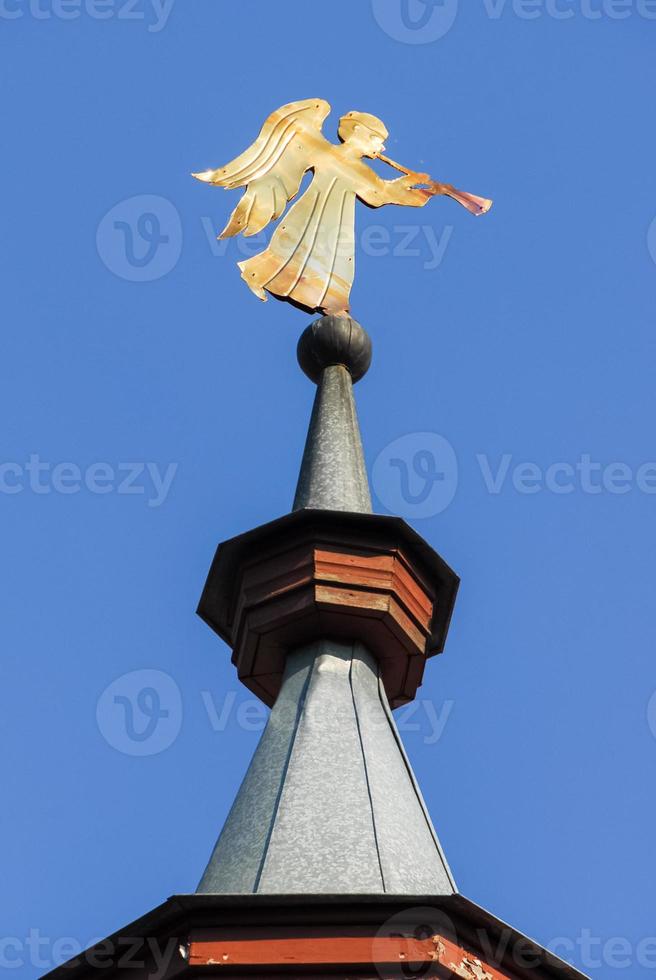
point(474, 204)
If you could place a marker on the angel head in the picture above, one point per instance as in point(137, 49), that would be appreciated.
point(364, 132)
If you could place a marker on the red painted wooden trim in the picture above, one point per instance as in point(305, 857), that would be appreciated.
point(333, 947)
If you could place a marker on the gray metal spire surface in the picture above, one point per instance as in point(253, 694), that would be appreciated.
point(329, 804)
point(335, 352)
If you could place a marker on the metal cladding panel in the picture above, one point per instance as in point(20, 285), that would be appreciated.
point(324, 835)
point(410, 856)
point(329, 804)
point(333, 474)
point(237, 860)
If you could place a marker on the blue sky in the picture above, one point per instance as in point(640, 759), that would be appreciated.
point(152, 407)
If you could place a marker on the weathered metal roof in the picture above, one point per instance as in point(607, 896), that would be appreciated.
point(329, 803)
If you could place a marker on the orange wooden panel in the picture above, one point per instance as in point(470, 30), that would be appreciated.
point(335, 947)
point(290, 595)
point(382, 572)
point(376, 603)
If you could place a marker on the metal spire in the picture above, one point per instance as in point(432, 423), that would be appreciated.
point(334, 352)
point(328, 856)
point(330, 803)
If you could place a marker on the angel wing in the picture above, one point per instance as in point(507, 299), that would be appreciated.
point(271, 169)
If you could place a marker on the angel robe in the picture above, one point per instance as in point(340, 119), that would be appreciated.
point(311, 257)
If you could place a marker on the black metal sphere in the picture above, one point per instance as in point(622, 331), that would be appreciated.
point(334, 340)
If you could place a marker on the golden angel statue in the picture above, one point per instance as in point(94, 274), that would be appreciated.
point(310, 260)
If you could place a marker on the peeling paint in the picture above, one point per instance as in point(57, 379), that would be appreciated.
point(470, 969)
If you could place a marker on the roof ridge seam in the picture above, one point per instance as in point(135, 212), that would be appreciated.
point(364, 765)
point(276, 806)
point(414, 784)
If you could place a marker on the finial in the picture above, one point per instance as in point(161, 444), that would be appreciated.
point(334, 340)
point(334, 352)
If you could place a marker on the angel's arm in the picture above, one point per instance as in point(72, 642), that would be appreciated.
point(375, 191)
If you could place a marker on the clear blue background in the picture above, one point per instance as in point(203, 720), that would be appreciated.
point(534, 337)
